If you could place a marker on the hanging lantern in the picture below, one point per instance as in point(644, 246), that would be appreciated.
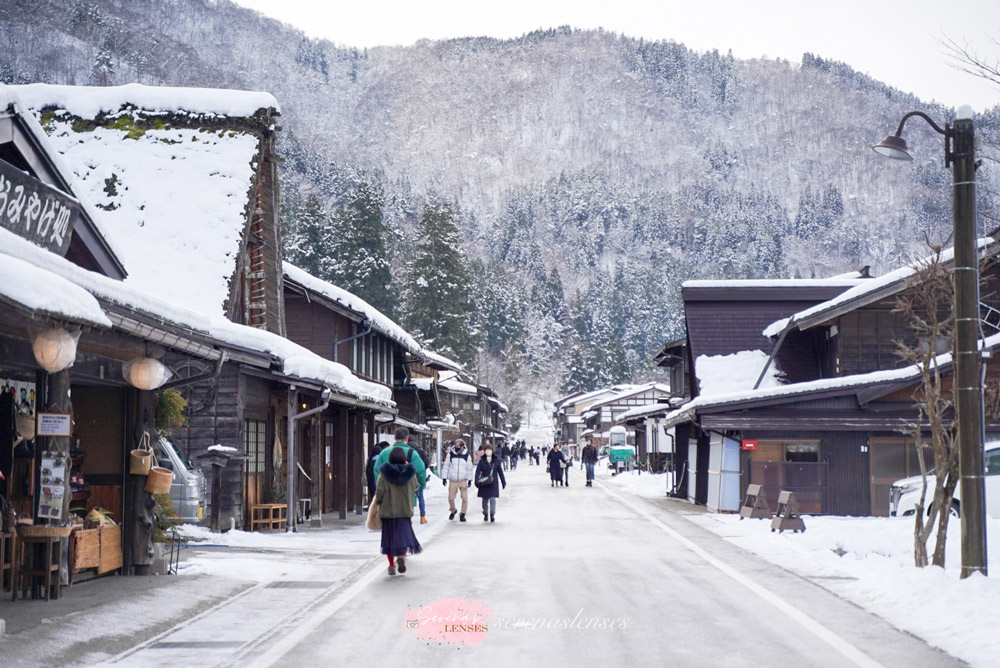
point(146, 373)
point(55, 349)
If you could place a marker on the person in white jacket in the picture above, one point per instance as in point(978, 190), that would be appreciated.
point(457, 474)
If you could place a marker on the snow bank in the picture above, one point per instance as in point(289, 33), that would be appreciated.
point(869, 561)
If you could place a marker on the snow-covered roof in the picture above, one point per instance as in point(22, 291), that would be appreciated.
point(721, 374)
point(294, 359)
point(380, 322)
point(89, 101)
point(441, 360)
point(836, 281)
point(631, 392)
point(449, 381)
point(688, 410)
point(45, 293)
point(866, 291)
point(9, 95)
point(175, 200)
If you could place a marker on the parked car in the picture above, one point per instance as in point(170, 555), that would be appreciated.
point(905, 493)
point(188, 492)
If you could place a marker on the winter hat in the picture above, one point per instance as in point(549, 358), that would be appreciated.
point(397, 456)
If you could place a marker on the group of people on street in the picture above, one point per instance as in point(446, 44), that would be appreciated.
point(560, 462)
point(397, 475)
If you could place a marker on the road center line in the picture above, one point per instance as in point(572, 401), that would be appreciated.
point(849, 651)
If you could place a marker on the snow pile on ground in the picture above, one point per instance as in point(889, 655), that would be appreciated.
point(869, 561)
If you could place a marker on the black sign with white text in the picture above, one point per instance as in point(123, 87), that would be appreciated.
point(36, 211)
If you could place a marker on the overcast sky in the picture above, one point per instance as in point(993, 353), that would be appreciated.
point(895, 41)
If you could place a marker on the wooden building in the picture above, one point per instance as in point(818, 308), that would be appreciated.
point(186, 180)
point(831, 424)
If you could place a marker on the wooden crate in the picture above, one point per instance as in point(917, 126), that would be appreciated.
point(86, 548)
point(111, 549)
point(268, 516)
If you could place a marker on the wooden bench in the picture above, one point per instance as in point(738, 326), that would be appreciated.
point(268, 516)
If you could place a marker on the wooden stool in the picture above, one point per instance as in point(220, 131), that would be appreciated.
point(37, 559)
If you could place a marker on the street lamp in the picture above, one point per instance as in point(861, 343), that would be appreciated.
point(960, 155)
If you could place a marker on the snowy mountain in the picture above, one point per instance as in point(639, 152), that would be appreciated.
point(589, 173)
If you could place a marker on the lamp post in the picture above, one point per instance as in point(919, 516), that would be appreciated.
point(960, 155)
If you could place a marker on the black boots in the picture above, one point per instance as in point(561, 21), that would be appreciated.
point(452, 515)
point(461, 518)
point(493, 518)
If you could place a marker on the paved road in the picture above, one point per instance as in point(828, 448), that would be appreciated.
point(581, 576)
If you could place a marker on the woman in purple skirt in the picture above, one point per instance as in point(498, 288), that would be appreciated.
point(394, 492)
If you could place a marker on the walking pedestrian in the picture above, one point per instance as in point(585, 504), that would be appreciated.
point(505, 453)
point(555, 461)
point(589, 458)
point(457, 473)
point(402, 435)
point(489, 477)
point(513, 455)
point(370, 470)
point(394, 490)
point(566, 465)
point(420, 492)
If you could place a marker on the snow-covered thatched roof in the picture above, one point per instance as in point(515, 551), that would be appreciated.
point(175, 197)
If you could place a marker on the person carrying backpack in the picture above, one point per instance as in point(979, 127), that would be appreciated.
point(457, 474)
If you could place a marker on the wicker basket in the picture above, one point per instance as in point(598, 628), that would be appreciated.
point(140, 461)
point(87, 548)
point(111, 549)
point(159, 479)
point(36, 530)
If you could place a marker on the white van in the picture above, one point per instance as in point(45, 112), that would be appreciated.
point(905, 493)
point(188, 492)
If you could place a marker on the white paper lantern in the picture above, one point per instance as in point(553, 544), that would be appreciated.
point(55, 349)
point(147, 373)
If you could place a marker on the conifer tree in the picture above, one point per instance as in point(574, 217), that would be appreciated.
point(437, 297)
point(358, 260)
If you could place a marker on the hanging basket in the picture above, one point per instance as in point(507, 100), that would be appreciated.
point(159, 479)
point(141, 459)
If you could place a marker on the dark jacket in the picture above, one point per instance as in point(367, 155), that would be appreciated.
point(555, 460)
point(395, 489)
point(483, 470)
point(589, 455)
point(370, 472)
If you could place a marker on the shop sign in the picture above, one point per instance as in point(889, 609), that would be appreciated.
point(36, 211)
point(748, 444)
point(54, 424)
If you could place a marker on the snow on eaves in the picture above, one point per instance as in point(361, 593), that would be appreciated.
point(866, 287)
point(441, 360)
point(721, 374)
point(449, 381)
point(42, 292)
point(380, 322)
point(294, 359)
point(90, 101)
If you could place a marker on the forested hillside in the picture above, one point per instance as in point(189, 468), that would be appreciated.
point(570, 180)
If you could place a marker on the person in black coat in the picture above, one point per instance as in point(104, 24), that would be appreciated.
point(370, 470)
point(555, 461)
point(488, 477)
